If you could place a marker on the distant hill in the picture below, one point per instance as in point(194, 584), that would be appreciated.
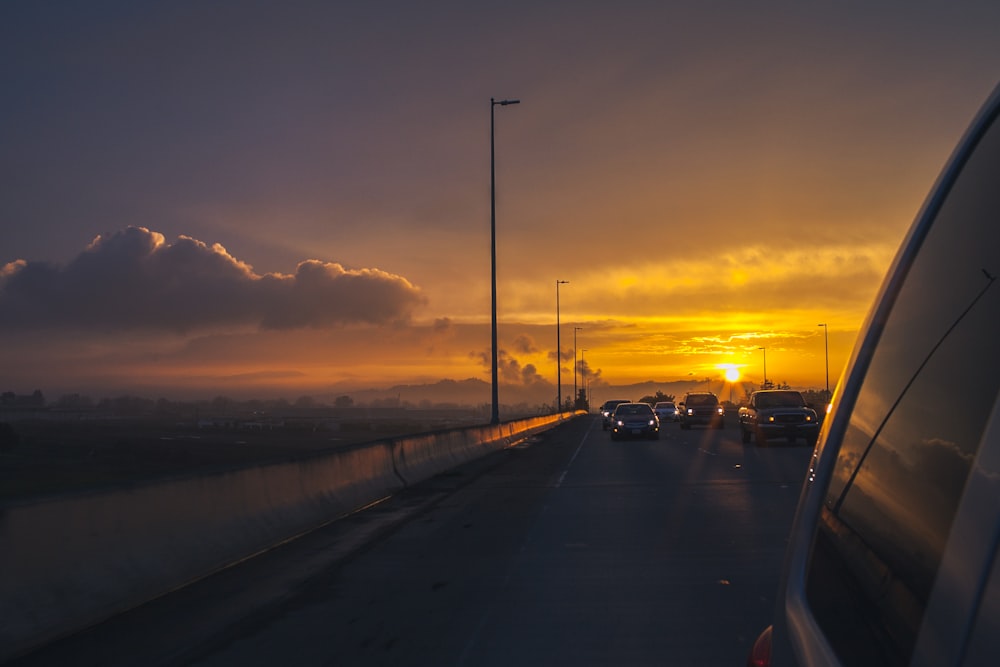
point(475, 392)
point(470, 392)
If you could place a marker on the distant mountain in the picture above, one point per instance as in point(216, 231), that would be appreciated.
point(473, 392)
point(470, 392)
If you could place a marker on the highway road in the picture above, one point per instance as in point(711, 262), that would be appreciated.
point(567, 549)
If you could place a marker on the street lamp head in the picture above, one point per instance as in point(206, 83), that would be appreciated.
point(504, 103)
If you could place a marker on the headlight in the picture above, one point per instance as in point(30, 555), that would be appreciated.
point(721, 410)
point(652, 422)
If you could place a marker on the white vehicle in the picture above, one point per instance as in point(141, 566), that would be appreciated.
point(666, 411)
point(894, 555)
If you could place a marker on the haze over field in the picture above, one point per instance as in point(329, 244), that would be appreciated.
point(290, 198)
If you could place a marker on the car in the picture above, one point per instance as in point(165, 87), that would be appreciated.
point(778, 413)
point(607, 409)
point(894, 554)
point(702, 408)
point(666, 411)
point(631, 420)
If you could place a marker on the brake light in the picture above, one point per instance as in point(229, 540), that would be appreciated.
point(760, 652)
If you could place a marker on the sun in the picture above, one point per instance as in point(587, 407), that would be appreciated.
point(732, 374)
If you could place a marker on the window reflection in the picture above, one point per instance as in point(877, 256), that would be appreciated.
point(914, 430)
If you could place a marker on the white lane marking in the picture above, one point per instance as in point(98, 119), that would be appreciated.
point(708, 452)
point(575, 454)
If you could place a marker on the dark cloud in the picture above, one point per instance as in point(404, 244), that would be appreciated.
point(525, 344)
point(567, 355)
point(510, 370)
point(587, 372)
point(134, 280)
point(530, 376)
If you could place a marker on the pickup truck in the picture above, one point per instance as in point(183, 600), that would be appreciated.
point(778, 413)
point(701, 408)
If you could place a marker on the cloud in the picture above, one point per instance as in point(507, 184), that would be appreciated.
point(525, 344)
point(134, 280)
point(511, 370)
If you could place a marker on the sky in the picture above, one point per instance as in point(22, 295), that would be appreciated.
point(264, 198)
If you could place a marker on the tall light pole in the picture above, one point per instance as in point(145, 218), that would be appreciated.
point(586, 387)
point(558, 351)
point(575, 391)
point(826, 344)
point(495, 418)
point(765, 366)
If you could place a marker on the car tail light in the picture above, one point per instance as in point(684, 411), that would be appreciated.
point(760, 653)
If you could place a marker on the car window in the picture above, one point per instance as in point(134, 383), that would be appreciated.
point(780, 400)
point(701, 399)
point(914, 430)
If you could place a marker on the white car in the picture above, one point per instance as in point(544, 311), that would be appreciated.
point(666, 411)
point(894, 554)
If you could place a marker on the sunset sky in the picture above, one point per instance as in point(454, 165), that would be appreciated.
point(254, 197)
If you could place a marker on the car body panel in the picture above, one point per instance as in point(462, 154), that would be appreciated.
point(893, 553)
point(634, 420)
point(666, 411)
point(778, 413)
point(607, 409)
point(701, 408)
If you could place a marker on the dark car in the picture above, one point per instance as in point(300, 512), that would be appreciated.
point(893, 554)
point(702, 408)
point(778, 413)
point(607, 409)
point(634, 420)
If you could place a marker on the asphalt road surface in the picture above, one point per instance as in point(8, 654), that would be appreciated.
point(569, 549)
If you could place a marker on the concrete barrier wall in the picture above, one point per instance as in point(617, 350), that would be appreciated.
point(68, 563)
point(421, 457)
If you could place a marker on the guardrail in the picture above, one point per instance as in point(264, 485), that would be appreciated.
point(69, 563)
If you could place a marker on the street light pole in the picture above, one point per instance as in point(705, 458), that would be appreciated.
point(558, 351)
point(765, 366)
point(575, 390)
point(826, 344)
point(586, 387)
point(495, 417)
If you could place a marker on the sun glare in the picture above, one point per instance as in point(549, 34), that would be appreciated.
point(732, 374)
